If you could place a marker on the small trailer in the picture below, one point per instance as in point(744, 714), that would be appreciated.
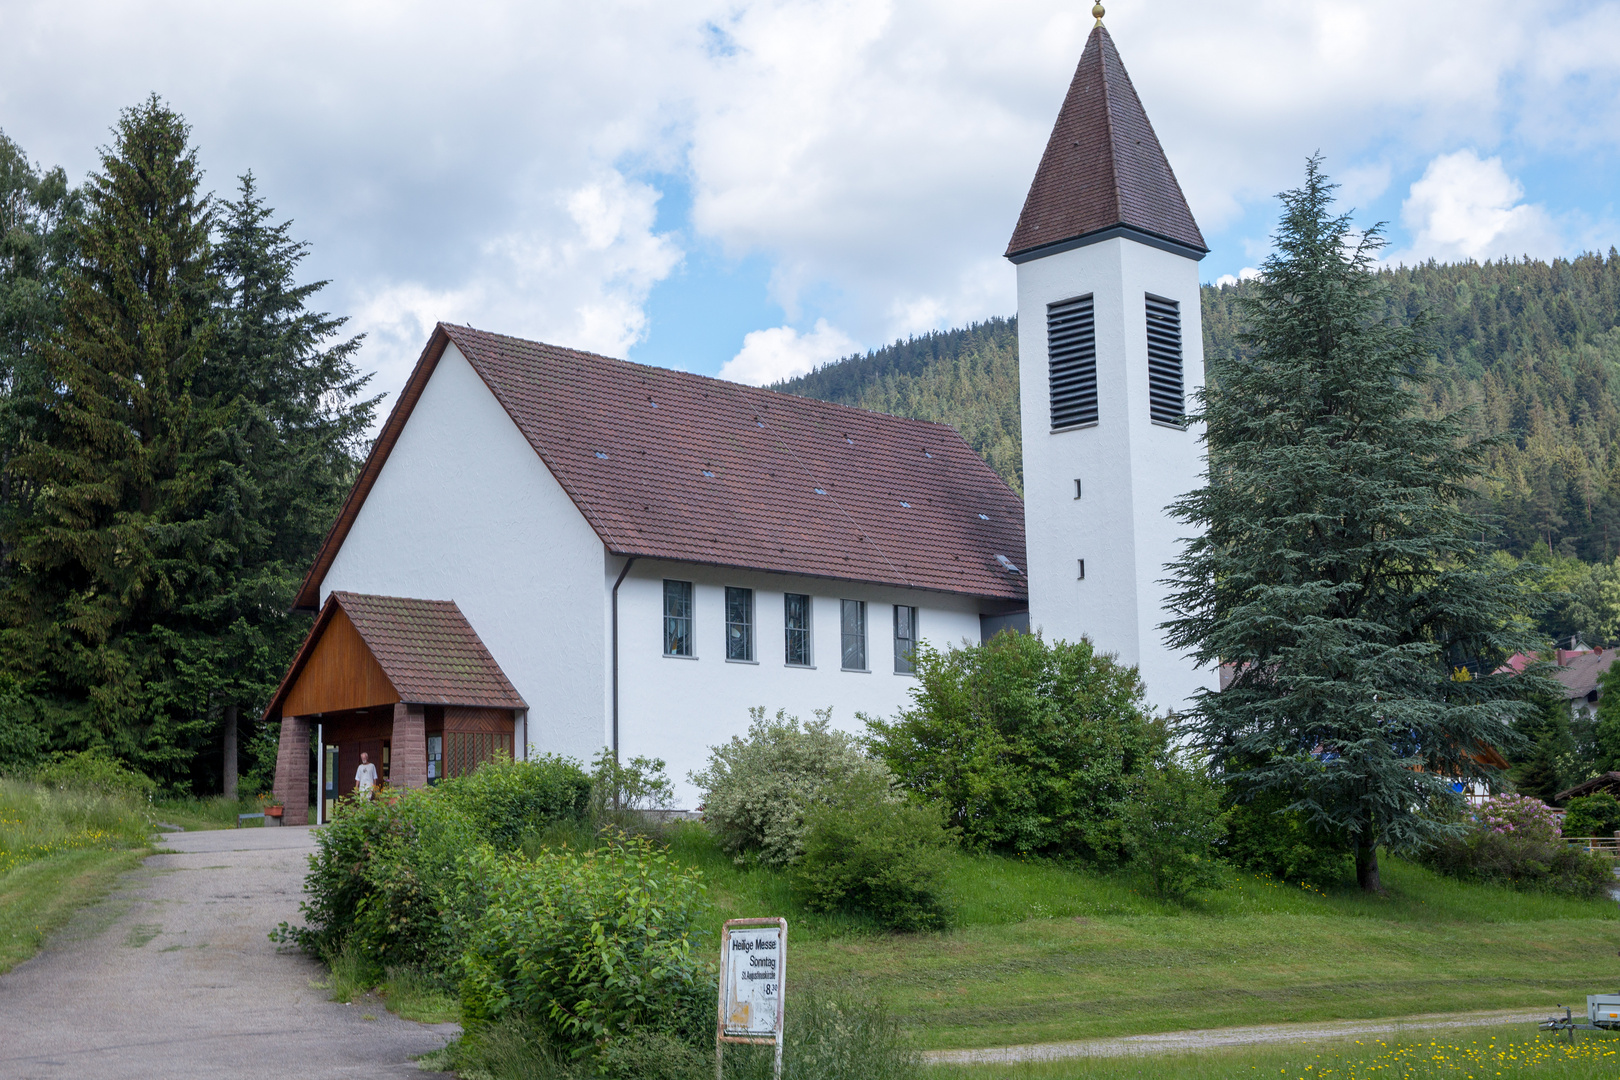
point(1602, 1014)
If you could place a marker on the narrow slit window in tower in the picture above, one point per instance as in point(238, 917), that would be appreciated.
point(1166, 396)
point(1071, 355)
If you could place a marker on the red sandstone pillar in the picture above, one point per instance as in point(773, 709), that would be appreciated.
point(407, 766)
point(292, 770)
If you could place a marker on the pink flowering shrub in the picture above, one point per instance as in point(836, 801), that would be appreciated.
point(1515, 840)
point(1519, 815)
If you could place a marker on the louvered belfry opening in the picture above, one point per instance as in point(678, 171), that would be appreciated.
point(1071, 353)
point(1166, 392)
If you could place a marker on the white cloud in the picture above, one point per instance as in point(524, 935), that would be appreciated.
point(578, 275)
point(782, 352)
point(499, 166)
point(1465, 207)
point(1248, 273)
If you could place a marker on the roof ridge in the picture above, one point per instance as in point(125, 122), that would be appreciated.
point(679, 373)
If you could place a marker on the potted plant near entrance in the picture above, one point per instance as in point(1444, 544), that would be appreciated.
point(272, 810)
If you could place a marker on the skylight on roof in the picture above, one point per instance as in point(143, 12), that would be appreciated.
point(706, 472)
point(1007, 564)
point(819, 491)
point(601, 455)
point(905, 504)
point(984, 517)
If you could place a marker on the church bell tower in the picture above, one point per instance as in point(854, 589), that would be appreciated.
point(1110, 352)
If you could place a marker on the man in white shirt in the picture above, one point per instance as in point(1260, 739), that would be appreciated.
point(365, 777)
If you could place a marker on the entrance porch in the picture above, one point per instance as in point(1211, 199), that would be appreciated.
point(406, 682)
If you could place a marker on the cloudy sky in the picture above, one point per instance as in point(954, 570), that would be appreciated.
point(751, 187)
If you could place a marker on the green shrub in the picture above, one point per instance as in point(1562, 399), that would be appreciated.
point(1172, 820)
point(95, 772)
point(380, 883)
point(1592, 815)
point(587, 945)
point(637, 786)
point(870, 851)
point(1513, 840)
point(757, 789)
point(1028, 746)
point(503, 799)
point(1262, 835)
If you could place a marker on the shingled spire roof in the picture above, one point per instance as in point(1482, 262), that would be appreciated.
point(1103, 170)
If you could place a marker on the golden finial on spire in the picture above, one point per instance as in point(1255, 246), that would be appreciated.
point(1097, 12)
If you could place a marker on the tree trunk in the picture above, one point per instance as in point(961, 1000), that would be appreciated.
point(230, 751)
point(1367, 866)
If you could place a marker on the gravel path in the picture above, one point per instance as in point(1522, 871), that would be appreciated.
point(1190, 1041)
point(173, 976)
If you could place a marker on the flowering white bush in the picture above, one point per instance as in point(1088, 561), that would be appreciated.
point(1519, 815)
point(756, 790)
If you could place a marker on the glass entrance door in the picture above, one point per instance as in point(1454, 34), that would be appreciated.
point(329, 796)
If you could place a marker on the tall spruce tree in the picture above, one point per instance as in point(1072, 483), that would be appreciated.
point(125, 459)
point(37, 215)
point(1334, 569)
point(293, 427)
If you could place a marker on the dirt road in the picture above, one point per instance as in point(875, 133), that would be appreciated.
point(1192, 1041)
point(174, 976)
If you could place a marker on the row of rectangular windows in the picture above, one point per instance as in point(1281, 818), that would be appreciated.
point(796, 637)
point(1071, 354)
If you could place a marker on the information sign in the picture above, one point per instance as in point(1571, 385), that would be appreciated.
point(753, 961)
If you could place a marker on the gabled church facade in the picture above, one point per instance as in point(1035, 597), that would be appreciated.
point(549, 551)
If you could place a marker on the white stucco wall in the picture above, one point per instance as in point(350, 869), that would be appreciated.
point(676, 708)
point(1131, 468)
point(465, 510)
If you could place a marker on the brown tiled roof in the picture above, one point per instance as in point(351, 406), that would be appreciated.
point(670, 465)
point(1103, 166)
point(429, 651)
point(1581, 671)
point(426, 648)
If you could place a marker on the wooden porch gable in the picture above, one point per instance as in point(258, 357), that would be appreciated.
point(340, 673)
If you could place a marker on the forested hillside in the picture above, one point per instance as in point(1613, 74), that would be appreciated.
point(1533, 347)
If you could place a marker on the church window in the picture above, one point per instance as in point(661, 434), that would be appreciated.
point(796, 617)
point(1071, 358)
point(677, 618)
point(853, 626)
point(905, 639)
point(1166, 396)
point(739, 624)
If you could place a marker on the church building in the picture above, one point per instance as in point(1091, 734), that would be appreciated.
point(550, 551)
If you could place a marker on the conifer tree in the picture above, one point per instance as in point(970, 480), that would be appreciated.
point(292, 433)
point(125, 458)
point(37, 214)
point(1334, 569)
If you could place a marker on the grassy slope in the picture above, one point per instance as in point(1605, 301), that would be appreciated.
point(59, 851)
point(1046, 953)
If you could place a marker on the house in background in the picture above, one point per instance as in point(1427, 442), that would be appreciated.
point(630, 557)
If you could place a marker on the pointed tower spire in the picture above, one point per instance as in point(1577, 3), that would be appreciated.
point(1104, 173)
point(1110, 351)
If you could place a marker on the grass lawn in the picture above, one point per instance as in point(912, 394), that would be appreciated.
point(59, 850)
point(1513, 1053)
point(1046, 953)
point(38, 897)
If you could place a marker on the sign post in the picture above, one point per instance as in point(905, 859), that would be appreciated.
point(753, 962)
